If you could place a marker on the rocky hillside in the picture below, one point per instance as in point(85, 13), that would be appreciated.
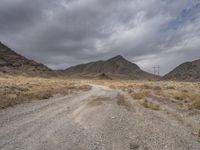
point(114, 68)
point(11, 62)
point(188, 71)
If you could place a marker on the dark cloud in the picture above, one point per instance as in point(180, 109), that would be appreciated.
point(67, 32)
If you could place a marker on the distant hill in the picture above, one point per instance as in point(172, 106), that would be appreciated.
point(11, 62)
point(188, 71)
point(114, 68)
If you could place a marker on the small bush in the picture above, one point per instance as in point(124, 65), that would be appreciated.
point(196, 104)
point(185, 91)
point(170, 88)
point(179, 97)
point(150, 105)
point(46, 96)
point(140, 95)
point(145, 86)
point(134, 146)
point(122, 100)
point(199, 134)
point(157, 88)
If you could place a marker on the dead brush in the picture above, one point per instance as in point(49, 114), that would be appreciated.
point(123, 101)
point(150, 105)
point(199, 135)
point(193, 97)
point(18, 89)
point(170, 88)
point(195, 104)
point(140, 95)
point(177, 95)
point(145, 86)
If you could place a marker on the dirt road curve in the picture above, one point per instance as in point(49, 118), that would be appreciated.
point(91, 120)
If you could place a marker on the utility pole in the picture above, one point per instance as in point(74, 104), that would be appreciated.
point(158, 67)
point(156, 70)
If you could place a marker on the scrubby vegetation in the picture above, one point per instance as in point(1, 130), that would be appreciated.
point(15, 90)
point(182, 94)
point(150, 105)
point(123, 101)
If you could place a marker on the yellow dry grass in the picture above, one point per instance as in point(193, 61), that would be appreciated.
point(150, 105)
point(14, 90)
point(18, 89)
point(123, 101)
point(171, 90)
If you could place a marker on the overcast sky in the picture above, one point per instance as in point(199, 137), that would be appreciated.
point(61, 33)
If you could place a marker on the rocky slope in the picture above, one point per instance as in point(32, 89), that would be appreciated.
point(11, 62)
point(114, 68)
point(188, 71)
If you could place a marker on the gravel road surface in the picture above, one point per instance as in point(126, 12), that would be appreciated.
point(92, 120)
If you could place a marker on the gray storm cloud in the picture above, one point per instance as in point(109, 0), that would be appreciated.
point(67, 32)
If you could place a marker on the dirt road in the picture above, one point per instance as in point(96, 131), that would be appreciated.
point(91, 120)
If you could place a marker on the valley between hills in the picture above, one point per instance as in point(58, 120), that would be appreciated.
point(104, 105)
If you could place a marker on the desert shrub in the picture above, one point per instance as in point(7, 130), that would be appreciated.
point(185, 91)
point(196, 104)
point(179, 97)
point(123, 101)
point(134, 146)
point(170, 88)
point(46, 95)
point(145, 86)
point(18, 89)
point(150, 105)
point(140, 95)
point(157, 88)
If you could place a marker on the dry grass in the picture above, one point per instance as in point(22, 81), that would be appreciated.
point(123, 101)
point(182, 93)
point(177, 95)
point(199, 134)
point(15, 90)
point(150, 105)
point(140, 95)
point(196, 104)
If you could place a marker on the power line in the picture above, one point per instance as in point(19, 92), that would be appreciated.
point(156, 70)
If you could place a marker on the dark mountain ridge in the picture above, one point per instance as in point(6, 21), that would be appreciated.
point(12, 62)
point(188, 71)
point(115, 68)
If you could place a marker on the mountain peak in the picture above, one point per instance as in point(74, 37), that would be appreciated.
point(2, 45)
point(115, 68)
point(118, 57)
point(12, 62)
point(188, 71)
